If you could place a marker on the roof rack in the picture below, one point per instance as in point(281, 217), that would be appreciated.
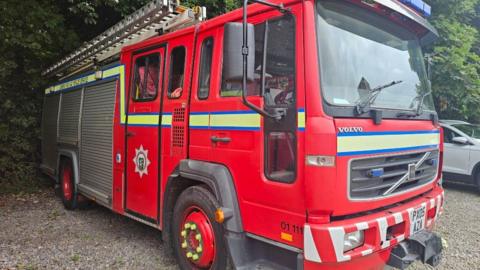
point(156, 17)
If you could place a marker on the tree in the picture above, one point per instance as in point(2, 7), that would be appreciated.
point(26, 46)
point(47, 30)
point(456, 61)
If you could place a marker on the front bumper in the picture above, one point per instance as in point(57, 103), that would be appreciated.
point(323, 243)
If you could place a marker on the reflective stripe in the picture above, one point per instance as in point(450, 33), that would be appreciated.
point(301, 119)
point(117, 71)
point(199, 120)
point(337, 234)
point(382, 228)
point(310, 249)
point(235, 120)
point(167, 120)
point(143, 120)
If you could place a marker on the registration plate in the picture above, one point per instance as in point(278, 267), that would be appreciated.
point(417, 220)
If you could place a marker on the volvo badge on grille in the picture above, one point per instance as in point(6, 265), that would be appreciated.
point(411, 171)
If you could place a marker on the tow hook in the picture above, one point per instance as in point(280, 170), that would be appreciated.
point(424, 246)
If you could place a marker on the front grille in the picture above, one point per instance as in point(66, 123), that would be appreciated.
point(377, 177)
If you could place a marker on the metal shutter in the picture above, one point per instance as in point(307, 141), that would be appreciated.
point(96, 145)
point(69, 117)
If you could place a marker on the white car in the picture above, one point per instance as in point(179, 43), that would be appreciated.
point(461, 161)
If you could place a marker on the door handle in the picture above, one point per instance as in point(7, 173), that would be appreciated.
point(216, 139)
point(130, 133)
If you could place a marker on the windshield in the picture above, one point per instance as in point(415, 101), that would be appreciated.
point(361, 51)
point(470, 130)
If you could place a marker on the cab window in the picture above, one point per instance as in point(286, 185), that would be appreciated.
point(177, 72)
point(278, 37)
point(204, 78)
point(147, 70)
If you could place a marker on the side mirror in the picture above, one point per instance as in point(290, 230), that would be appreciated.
point(233, 54)
point(461, 140)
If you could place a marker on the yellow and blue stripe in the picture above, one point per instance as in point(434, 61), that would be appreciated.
point(113, 72)
point(226, 120)
point(301, 119)
point(368, 143)
point(149, 119)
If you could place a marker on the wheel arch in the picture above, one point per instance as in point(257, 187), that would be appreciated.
point(72, 155)
point(475, 172)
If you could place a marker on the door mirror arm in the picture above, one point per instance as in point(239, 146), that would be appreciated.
point(277, 113)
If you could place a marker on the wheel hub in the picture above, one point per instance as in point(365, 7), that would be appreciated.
point(67, 183)
point(197, 239)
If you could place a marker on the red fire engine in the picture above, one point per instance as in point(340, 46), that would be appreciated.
point(290, 134)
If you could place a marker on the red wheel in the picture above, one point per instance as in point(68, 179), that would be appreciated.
point(198, 239)
point(67, 185)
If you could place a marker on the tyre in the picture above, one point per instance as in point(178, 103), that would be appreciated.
point(67, 185)
point(197, 239)
point(477, 181)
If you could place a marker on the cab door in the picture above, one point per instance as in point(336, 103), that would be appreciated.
point(262, 153)
point(143, 135)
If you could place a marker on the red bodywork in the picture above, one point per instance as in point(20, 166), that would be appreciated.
point(268, 209)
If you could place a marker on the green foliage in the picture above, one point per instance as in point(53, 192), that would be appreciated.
point(456, 61)
point(214, 7)
point(27, 44)
point(33, 35)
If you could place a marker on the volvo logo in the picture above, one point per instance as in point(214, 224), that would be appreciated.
point(411, 171)
point(350, 129)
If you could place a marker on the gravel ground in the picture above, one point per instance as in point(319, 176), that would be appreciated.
point(37, 233)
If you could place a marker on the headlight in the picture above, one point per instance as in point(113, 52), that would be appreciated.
point(353, 240)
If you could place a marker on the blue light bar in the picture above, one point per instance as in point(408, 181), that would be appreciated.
point(419, 6)
point(374, 173)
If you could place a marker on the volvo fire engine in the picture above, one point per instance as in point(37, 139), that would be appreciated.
point(285, 135)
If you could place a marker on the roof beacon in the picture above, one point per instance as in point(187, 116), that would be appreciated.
point(418, 5)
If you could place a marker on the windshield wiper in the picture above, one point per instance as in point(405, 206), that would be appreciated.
point(365, 102)
point(419, 110)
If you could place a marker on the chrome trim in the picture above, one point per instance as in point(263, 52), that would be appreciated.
point(153, 225)
point(407, 175)
point(390, 195)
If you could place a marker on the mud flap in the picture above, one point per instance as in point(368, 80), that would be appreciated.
point(424, 246)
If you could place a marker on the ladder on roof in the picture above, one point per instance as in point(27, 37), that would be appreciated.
point(156, 17)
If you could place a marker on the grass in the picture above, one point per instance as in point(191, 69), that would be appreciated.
point(75, 258)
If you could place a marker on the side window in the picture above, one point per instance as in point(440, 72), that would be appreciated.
point(204, 78)
point(281, 153)
point(147, 70)
point(448, 135)
point(177, 72)
point(279, 61)
point(280, 136)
